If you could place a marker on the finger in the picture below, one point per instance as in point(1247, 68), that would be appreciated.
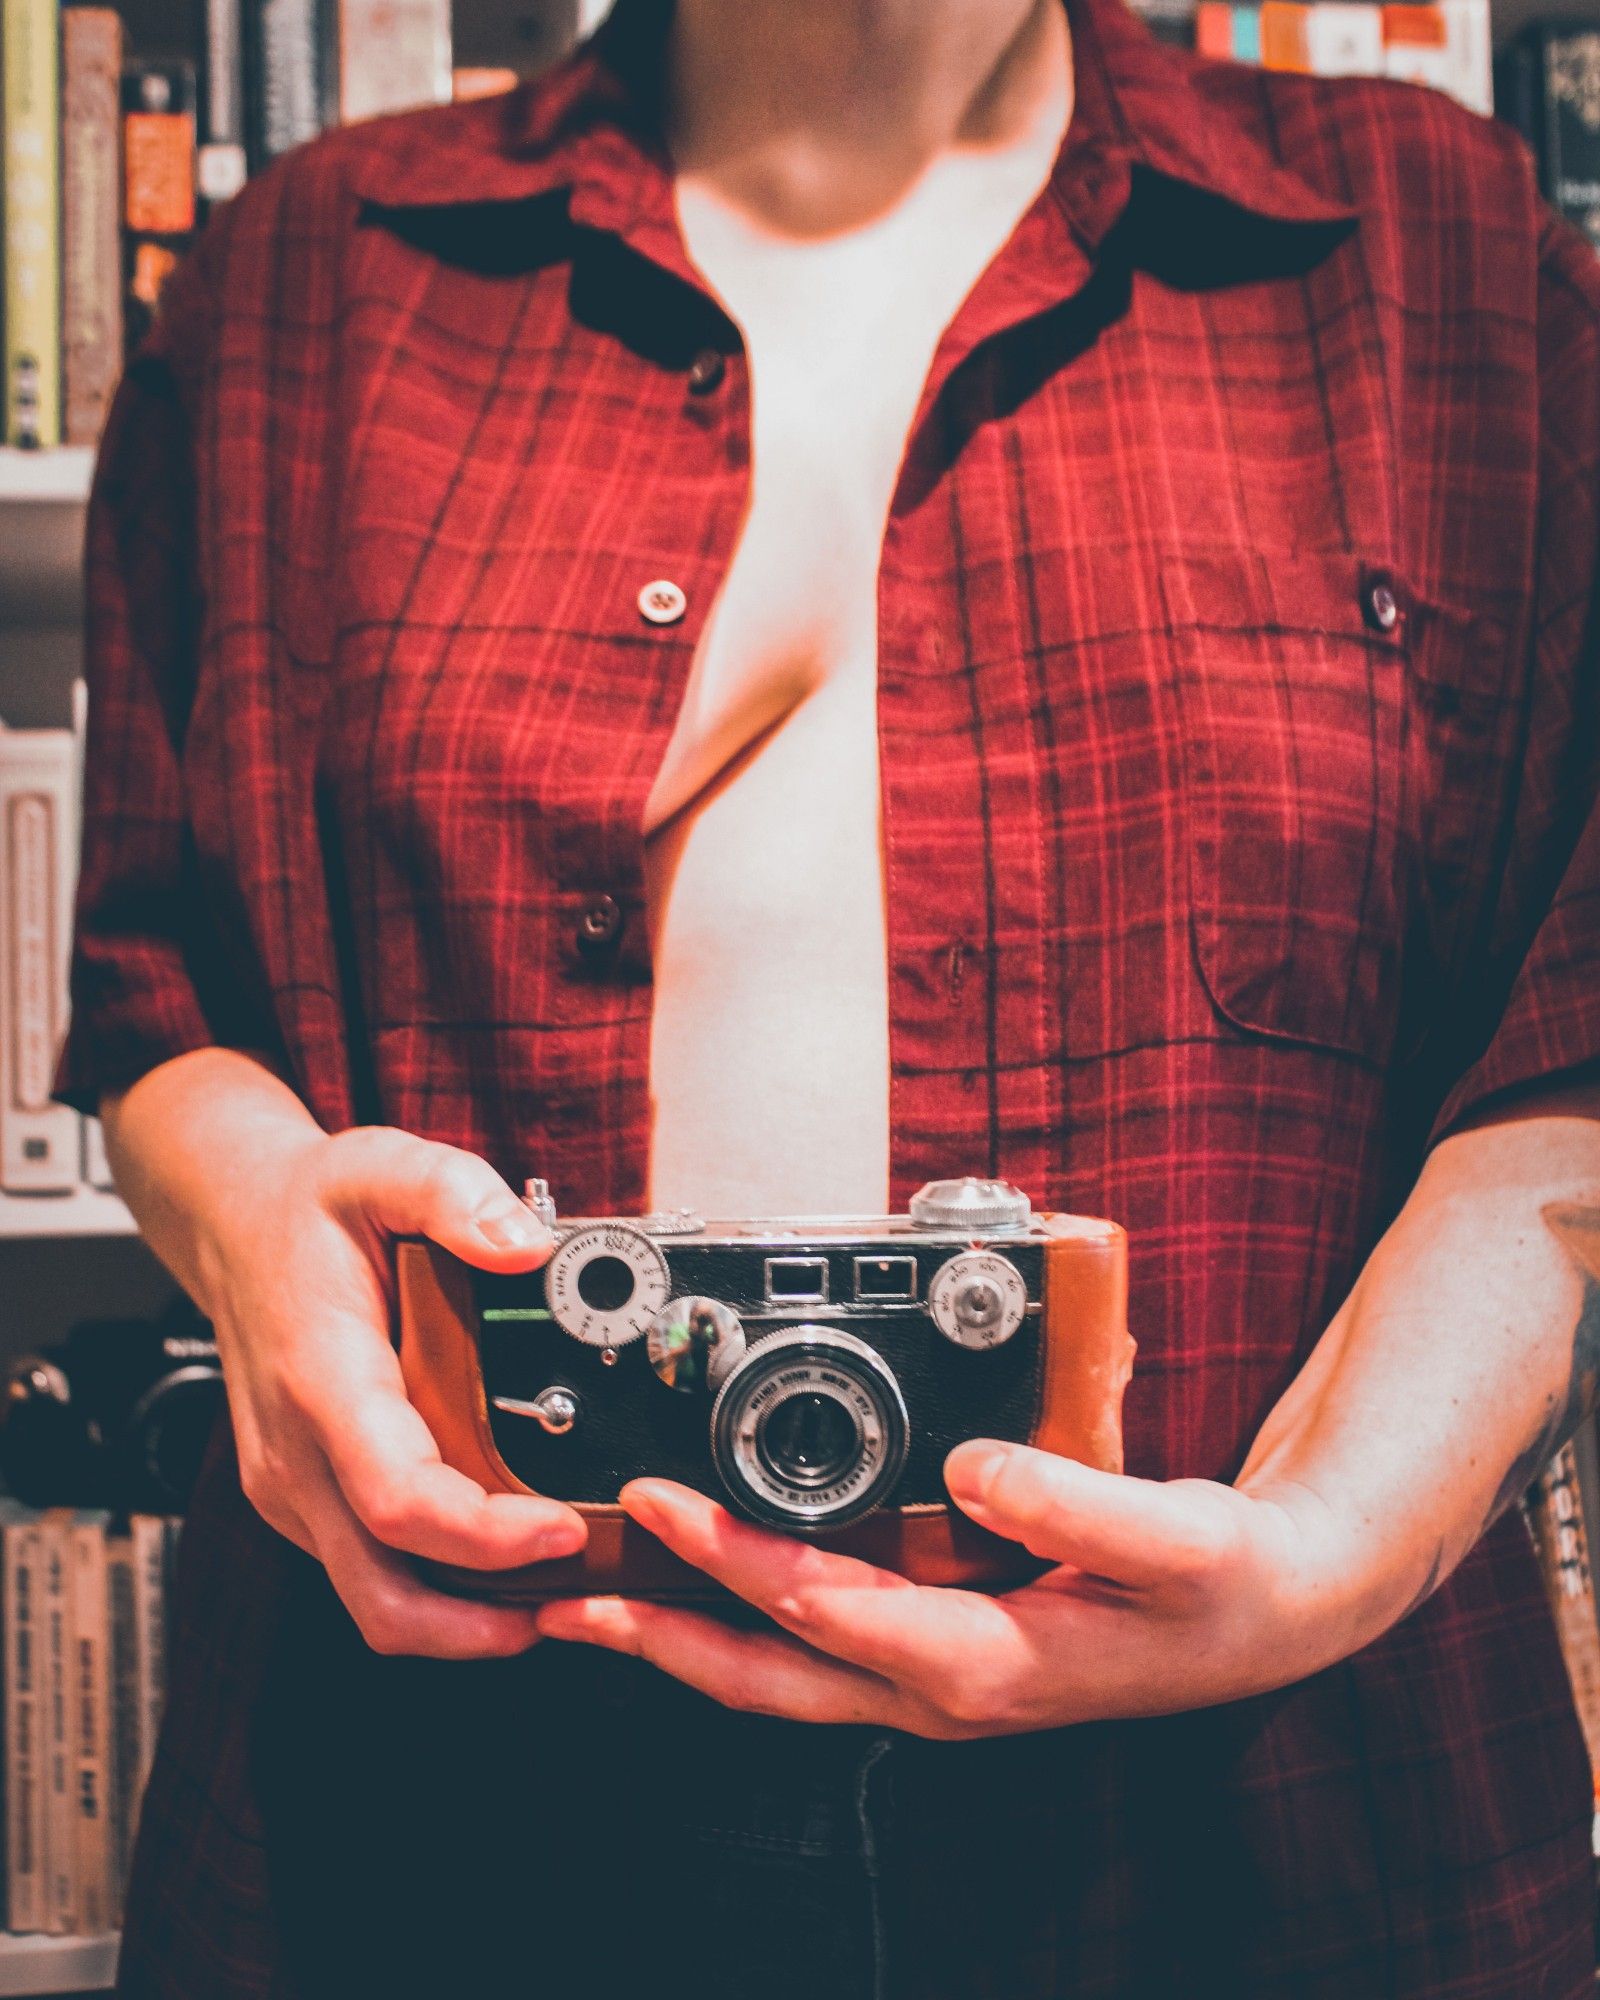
point(415, 1187)
point(388, 1466)
point(872, 1618)
point(1139, 1532)
point(394, 1609)
point(764, 1673)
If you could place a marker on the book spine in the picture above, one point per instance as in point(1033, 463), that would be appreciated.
point(91, 1703)
point(221, 165)
point(125, 1729)
point(91, 311)
point(22, 1556)
point(38, 869)
point(1213, 28)
point(1247, 34)
point(150, 1634)
point(158, 142)
point(393, 54)
point(1570, 76)
point(30, 116)
point(1283, 35)
point(60, 1817)
point(1445, 45)
point(1344, 40)
point(159, 193)
point(287, 72)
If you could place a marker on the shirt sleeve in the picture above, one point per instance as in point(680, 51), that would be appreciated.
point(142, 964)
point(1535, 994)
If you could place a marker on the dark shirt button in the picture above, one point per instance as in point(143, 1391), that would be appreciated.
point(1382, 607)
point(706, 371)
point(599, 925)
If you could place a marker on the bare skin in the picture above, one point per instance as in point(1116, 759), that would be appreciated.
point(770, 1033)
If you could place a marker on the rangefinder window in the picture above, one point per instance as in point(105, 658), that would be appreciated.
point(886, 1277)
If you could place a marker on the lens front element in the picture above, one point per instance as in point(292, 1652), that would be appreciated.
point(809, 1431)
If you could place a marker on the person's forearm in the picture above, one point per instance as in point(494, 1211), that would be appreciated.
point(187, 1140)
point(1464, 1357)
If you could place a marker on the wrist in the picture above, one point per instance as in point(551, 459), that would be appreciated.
point(1345, 1575)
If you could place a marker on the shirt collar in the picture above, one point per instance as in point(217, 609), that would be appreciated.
point(590, 128)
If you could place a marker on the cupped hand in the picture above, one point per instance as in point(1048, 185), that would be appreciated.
point(1165, 1596)
point(331, 1452)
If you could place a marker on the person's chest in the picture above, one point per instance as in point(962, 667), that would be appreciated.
point(770, 1081)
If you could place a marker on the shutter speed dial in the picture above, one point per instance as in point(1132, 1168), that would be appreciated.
point(978, 1299)
point(605, 1284)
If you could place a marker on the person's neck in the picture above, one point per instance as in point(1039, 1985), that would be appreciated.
point(816, 116)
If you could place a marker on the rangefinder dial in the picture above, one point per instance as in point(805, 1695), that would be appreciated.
point(605, 1284)
point(978, 1299)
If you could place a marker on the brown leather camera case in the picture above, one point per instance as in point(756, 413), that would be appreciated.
point(1088, 1358)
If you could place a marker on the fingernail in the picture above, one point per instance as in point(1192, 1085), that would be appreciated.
point(511, 1229)
point(970, 1468)
point(644, 1505)
point(556, 1542)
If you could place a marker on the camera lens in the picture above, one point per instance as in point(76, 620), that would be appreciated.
point(809, 1430)
point(808, 1440)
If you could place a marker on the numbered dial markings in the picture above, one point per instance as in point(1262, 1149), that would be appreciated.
point(606, 1284)
point(978, 1299)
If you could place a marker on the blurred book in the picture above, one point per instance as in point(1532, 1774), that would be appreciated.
point(30, 116)
point(1548, 86)
point(1444, 44)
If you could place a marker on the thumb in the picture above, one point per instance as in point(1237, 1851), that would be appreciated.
point(417, 1187)
point(1134, 1531)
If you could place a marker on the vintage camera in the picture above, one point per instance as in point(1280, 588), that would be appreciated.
point(116, 1416)
point(811, 1374)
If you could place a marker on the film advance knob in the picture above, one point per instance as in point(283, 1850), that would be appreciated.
point(971, 1206)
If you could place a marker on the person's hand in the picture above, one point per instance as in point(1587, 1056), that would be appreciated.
point(1165, 1597)
point(331, 1453)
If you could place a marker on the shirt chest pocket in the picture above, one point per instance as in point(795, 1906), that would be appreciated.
point(1290, 691)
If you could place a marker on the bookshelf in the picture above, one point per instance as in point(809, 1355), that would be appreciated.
point(85, 1212)
point(57, 1965)
point(42, 496)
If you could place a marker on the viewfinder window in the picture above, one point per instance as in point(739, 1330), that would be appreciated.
point(797, 1279)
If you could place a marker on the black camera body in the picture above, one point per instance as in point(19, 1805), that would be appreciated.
point(118, 1415)
point(812, 1374)
point(776, 1370)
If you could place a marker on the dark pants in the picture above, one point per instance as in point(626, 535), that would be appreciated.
point(574, 1823)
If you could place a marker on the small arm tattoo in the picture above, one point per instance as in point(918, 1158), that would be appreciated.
point(1578, 1231)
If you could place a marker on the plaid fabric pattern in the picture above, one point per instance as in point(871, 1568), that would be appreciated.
point(1239, 719)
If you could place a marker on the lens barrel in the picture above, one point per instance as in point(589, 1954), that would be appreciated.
point(809, 1431)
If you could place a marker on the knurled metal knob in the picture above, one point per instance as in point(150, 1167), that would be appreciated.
point(971, 1206)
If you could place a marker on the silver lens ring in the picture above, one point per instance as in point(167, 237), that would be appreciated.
point(809, 1431)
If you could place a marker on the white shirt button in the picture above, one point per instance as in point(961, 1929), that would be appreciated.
point(662, 602)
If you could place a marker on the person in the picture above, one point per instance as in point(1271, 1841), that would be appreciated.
point(823, 597)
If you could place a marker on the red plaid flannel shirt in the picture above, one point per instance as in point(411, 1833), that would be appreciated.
point(1239, 718)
